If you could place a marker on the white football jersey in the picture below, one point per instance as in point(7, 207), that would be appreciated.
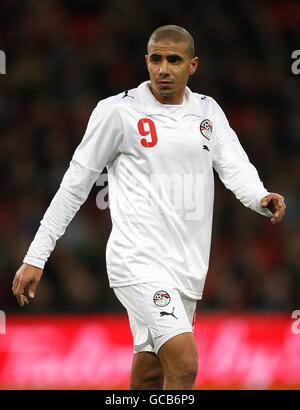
point(160, 161)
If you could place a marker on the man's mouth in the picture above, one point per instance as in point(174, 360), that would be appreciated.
point(164, 84)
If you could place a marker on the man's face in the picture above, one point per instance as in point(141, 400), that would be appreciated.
point(170, 65)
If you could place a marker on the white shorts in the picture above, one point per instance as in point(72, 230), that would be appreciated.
point(156, 313)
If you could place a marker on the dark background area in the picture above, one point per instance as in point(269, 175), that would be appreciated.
point(64, 56)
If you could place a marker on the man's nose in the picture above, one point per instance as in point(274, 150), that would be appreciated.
point(164, 68)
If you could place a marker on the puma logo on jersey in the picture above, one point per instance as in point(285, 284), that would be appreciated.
point(205, 147)
point(126, 95)
point(168, 314)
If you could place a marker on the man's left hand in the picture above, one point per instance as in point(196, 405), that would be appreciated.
point(275, 203)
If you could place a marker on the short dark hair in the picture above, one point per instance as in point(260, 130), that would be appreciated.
point(175, 34)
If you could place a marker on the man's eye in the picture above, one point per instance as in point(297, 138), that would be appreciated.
point(155, 59)
point(174, 59)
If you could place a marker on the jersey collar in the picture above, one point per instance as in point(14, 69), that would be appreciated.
point(152, 106)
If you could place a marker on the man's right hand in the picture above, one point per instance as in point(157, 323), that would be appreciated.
point(26, 275)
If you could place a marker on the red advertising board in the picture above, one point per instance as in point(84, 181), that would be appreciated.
point(95, 352)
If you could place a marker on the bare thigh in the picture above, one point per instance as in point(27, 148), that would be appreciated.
point(179, 358)
point(146, 372)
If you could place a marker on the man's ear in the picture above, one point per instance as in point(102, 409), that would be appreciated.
point(194, 65)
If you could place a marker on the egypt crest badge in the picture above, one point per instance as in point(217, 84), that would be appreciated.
point(206, 128)
point(161, 298)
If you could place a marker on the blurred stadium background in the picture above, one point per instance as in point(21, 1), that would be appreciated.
point(64, 56)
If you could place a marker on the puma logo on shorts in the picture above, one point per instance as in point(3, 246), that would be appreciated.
point(169, 314)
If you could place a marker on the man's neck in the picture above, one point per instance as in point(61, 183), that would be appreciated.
point(168, 99)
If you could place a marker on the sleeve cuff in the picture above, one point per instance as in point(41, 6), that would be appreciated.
point(38, 263)
point(263, 211)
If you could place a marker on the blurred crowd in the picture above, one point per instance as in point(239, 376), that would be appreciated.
point(64, 56)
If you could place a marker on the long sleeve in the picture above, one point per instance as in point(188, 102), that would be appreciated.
point(74, 190)
point(233, 166)
point(101, 143)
